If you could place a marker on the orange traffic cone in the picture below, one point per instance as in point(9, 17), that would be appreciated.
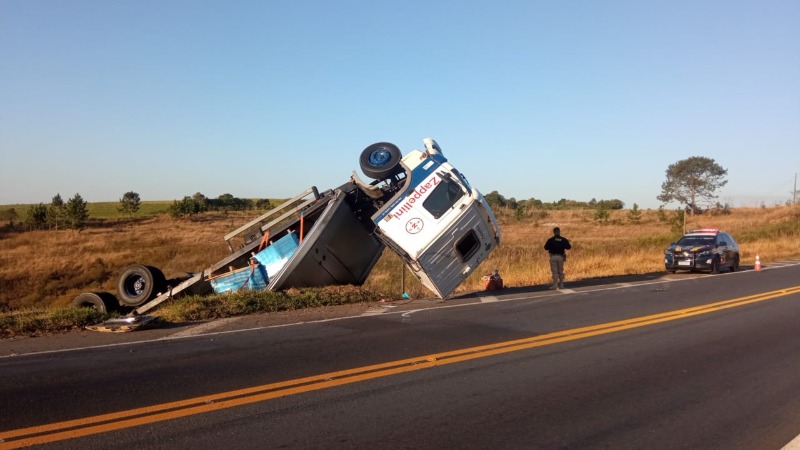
point(758, 263)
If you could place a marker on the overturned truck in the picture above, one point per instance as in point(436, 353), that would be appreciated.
point(417, 205)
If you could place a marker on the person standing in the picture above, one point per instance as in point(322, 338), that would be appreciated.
point(557, 245)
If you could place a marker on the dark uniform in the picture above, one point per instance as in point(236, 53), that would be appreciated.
point(557, 246)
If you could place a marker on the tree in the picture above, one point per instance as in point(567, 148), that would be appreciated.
point(76, 212)
point(611, 204)
point(187, 207)
point(519, 212)
point(494, 199)
point(662, 214)
point(129, 203)
point(36, 217)
point(635, 214)
point(10, 215)
point(678, 222)
point(602, 213)
point(531, 203)
point(264, 203)
point(56, 211)
point(693, 179)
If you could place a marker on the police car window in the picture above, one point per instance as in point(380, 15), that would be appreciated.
point(443, 197)
point(696, 240)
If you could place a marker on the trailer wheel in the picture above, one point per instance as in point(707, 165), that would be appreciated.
point(139, 283)
point(381, 160)
point(102, 302)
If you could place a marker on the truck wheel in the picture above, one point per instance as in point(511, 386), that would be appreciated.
point(139, 283)
point(102, 302)
point(381, 160)
point(735, 265)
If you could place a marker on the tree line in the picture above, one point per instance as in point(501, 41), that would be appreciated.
point(199, 203)
point(74, 213)
point(58, 214)
point(497, 200)
point(689, 182)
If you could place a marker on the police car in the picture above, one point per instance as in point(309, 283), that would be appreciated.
point(707, 249)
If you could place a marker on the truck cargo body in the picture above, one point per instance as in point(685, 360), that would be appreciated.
point(334, 248)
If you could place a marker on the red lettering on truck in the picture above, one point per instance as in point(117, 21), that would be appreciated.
point(412, 198)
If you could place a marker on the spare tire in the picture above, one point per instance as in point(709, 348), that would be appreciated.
point(139, 283)
point(102, 302)
point(381, 160)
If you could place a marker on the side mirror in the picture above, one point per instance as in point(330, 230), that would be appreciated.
point(720, 244)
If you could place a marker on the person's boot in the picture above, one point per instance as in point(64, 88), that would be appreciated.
point(553, 287)
point(561, 285)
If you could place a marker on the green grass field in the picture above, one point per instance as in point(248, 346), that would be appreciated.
point(97, 210)
point(103, 210)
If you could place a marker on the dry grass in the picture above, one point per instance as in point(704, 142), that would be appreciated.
point(50, 268)
point(620, 247)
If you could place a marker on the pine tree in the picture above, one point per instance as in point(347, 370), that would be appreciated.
point(56, 212)
point(635, 214)
point(76, 212)
point(36, 217)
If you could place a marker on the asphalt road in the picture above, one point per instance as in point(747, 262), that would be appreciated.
point(660, 362)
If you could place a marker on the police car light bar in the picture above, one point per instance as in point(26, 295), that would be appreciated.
point(706, 230)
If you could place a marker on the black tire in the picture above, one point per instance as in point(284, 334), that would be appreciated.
point(381, 160)
point(159, 278)
point(735, 265)
point(139, 283)
point(102, 302)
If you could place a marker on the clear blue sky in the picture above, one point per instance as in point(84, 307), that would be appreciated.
point(544, 99)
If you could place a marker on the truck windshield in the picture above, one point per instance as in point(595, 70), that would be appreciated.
point(443, 197)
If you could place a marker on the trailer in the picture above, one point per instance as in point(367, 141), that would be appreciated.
point(417, 205)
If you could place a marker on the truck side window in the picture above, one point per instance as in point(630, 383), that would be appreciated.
point(443, 197)
point(467, 245)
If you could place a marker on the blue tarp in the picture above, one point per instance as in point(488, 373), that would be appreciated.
point(278, 253)
point(251, 278)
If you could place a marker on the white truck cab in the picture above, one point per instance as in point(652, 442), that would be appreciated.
point(440, 225)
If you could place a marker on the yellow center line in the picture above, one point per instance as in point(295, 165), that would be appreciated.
point(70, 429)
